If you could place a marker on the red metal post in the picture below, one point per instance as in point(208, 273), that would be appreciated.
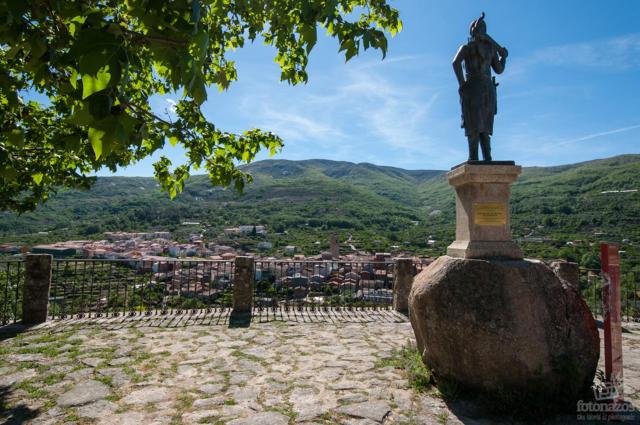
point(610, 263)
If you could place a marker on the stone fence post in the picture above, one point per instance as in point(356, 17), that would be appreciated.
point(243, 282)
point(35, 292)
point(567, 271)
point(402, 281)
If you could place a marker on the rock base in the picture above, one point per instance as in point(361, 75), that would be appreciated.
point(507, 327)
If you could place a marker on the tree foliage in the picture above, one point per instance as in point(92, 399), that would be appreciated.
point(93, 66)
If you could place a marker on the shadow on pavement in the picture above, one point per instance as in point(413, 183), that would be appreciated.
point(216, 317)
point(19, 414)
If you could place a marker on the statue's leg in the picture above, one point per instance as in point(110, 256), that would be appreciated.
point(485, 144)
point(473, 147)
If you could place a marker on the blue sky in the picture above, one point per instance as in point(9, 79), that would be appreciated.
point(570, 91)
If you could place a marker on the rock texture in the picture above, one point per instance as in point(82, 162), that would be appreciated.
point(504, 327)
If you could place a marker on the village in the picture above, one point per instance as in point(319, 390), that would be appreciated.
point(203, 271)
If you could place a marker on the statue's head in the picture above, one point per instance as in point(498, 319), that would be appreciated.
point(478, 27)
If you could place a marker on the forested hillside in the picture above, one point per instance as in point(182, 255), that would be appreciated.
point(302, 202)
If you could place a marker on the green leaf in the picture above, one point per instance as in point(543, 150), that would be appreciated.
point(173, 140)
point(100, 105)
point(199, 90)
point(95, 83)
point(15, 137)
point(37, 177)
point(73, 78)
point(8, 173)
point(96, 138)
point(81, 115)
point(201, 41)
point(309, 35)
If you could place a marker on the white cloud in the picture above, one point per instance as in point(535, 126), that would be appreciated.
point(356, 113)
point(292, 125)
point(170, 109)
point(599, 134)
point(611, 54)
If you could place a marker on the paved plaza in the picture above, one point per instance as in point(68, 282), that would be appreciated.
point(303, 367)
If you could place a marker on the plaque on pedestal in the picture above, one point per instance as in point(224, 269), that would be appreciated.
point(483, 221)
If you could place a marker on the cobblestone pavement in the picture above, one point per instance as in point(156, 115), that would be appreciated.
point(303, 368)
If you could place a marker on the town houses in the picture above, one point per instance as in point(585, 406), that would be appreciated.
point(204, 270)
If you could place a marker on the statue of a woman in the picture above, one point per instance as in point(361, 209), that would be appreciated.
point(477, 88)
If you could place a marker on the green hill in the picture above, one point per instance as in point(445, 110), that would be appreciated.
point(302, 202)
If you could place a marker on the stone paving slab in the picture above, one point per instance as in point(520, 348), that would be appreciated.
point(308, 368)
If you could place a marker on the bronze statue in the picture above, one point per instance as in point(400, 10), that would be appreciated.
point(477, 88)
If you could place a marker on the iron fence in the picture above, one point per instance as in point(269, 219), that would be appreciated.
point(591, 283)
point(313, 285)
point(420, 265)
point(95, 288)
point(89, 287)
point(11, 283)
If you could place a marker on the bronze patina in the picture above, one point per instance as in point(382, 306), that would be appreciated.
point(477, 88)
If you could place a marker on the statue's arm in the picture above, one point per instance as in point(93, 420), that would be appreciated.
point(499, 60)
point(457, 65)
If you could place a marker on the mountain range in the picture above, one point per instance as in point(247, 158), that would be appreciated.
point(378, 207)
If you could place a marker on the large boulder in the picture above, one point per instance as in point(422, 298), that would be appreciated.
point(507, 327)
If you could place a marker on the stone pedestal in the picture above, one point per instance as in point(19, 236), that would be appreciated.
point(483, 220)
point(403, 278)
point(495, 323)
point(243, 281)
point(37, 284)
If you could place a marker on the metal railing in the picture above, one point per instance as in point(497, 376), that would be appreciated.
point(322, 284)
point(89, 287)
point(95, 288)
point(591, 289)
point(11, 284)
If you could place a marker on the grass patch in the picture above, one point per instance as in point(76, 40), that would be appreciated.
point(47, 350)
point(442, 418)
point(140, 357)
point(239, 354)
point(229, 402)
point(31, 389)
point(211, 420)
point(409, 360)
point(121, 409)
point(137, 333)
point(185, 401)
point(27, 365)
point(107, 380)
point(129, 371)
point(287, 411)
point(54, 378)
point(53, 337)
point(50, 404)
point(113, 398)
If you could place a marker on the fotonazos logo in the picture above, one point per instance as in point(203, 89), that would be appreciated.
point(608, 405)
point(608, 391)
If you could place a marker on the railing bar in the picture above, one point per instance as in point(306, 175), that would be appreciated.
point(109, 283)
point(188, 284)
point(173, 282)
point(92, 290)
point(17, 296)
point(6, 298)
point(163, 305)
point(125, 300)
